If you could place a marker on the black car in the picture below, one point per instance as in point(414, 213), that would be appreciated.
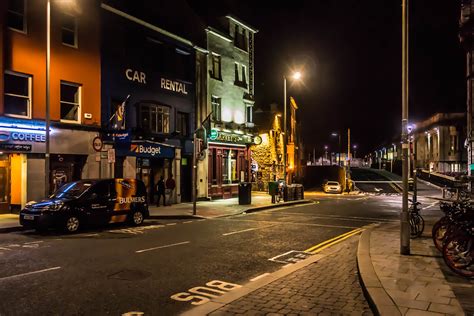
point(82, 202)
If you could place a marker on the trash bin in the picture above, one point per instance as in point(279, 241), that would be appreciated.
point(245, 193)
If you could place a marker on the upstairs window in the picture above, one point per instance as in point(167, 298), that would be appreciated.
point(216, 108)
point(154, 118)
point(16, 15)
point(216, 67)
point(240, 38)
point(240, 75)
point(248, 114)
point(182, 120)
point(17, 98)
point(70, 102)
point(69, 30)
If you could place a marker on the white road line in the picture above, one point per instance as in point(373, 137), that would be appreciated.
point(361, 218)
point(187, 222)
point(287, 265)
point(160, 247)
point(430, 206)
point(28, 273)
point(91, 235)
point(259, 277)
point(247, 230)
point(170, 224)
point(33, 242)
point(294, 223)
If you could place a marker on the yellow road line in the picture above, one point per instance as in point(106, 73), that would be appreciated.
point(334, 240)
point(395, 187)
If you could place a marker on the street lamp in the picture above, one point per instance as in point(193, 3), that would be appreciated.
point(296, 76)
point(355, 150)
point(326, 152)
point(338, 134)
point(47, 114)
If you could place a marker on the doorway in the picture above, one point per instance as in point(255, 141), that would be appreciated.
point(4, 184)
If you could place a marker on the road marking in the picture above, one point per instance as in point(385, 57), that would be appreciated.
point(28, 273)
point(33, 242)
point(287, 265)
point(166, 246)
point(91, 235)
point(311, 249)
point(187, 222)
point(293, 223)
point(247, 230)
point(430, 206)
point(170, 224)
point(259, 277)
point(346, 218)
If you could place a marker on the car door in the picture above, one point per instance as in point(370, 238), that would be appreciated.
point(99, 202)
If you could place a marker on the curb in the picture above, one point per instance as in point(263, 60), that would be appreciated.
point(380, 302)
point(230, 297)
point(11, 229)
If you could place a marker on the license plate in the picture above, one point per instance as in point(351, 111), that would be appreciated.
point(29, 217)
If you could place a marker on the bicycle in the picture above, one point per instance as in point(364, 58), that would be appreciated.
point(417, 223)
point(458, 249)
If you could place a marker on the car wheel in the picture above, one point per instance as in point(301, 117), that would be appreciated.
point(72, 223)
point(137, 218)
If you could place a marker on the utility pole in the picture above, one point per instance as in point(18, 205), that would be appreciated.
point(194, 175)
point(47, 119)
point(348, 174)
point(404, 224)
point(285, 138)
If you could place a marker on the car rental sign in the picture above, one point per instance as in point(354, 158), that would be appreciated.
point(146, 149)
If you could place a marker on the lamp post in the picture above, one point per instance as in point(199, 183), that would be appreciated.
point(355, 150)
point(326, 152)
point(295, 76)
point(338, 134)
point(48, 64)
point(404, 224)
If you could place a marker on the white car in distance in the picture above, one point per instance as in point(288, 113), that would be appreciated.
point(332, 187)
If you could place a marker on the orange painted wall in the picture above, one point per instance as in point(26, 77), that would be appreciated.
point(26, 53)
point(15, 180)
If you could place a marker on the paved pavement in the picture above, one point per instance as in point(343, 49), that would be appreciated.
point(327, 286)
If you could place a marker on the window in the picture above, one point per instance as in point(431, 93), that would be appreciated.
point(229, 167)
point(216, 108)
point(240, 80)
point(69, 30)
point(17, 94)
point(16, 15)
point(154, 118)
point(453, 143)
point(182, 120)
point(240, 38)
point(216, 67)
point(248, 114)
point(70, 102)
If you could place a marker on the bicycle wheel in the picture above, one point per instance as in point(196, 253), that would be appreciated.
point(438, 233)
point(458, 253)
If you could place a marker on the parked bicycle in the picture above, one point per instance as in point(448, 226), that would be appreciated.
point(417, 223)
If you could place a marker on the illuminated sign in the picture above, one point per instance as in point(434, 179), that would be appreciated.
point(134, 75)
point(175, 86)
point(227, 137)
point(257, 140)
point(22, 136)
point(146, 149)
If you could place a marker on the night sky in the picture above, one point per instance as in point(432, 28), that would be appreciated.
point(350, 53)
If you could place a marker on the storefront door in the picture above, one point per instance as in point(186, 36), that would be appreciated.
point(4, 184)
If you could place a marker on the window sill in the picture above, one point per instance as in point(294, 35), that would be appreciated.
point(71, 46)
point(218, 79)
point(24, 32)
point(241, 84)
point(18, 116)
point(241, 49)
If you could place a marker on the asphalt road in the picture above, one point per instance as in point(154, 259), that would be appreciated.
point(159, 268)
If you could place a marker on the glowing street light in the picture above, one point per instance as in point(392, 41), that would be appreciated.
point(295, 76)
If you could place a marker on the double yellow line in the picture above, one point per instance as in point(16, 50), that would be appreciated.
point(333, 241)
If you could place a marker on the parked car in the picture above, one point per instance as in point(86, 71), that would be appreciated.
point(84, 202)
point(332, 187)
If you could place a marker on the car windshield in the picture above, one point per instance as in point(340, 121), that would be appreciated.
point(333, 183)
point(72, 190)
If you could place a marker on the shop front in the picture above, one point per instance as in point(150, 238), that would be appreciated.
point(22, 164)
point(148, 161)
point(228, 156)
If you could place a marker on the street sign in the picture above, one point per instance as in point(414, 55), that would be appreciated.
point(97, 143)
point(111, 155)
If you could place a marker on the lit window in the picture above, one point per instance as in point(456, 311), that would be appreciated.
point(16, 16)
point(69, 30)
point(17, 99)
point(240, 79)
point(216, 108)
point(154, 118)
point(216, 67)
point(70, 102)
point(229, 166)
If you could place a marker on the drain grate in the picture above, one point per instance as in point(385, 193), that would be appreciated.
point(130, 275)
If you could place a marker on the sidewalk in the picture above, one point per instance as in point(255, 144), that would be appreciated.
point(418, 284)
point(204, 209)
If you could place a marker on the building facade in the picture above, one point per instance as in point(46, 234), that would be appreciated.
point(74, 97)
point(149, 75)
point(231, 99)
